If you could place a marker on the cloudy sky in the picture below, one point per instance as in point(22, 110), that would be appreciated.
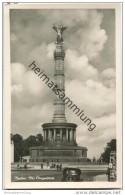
point(89, 71)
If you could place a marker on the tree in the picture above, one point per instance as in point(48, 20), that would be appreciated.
point(11, 137)
point(111, 146)
point(39, 138)
point(31, 141)
point(18, 149)
point(27, 143)
point(22, 146)
point(17, 138)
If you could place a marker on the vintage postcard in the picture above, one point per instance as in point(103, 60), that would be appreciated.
point(62, 95)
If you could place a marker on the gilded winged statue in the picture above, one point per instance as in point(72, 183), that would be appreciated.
point(59, 31)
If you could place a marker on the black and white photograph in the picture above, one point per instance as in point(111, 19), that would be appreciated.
point(62, 89)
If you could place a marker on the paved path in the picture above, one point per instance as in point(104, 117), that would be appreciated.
point(84, 167)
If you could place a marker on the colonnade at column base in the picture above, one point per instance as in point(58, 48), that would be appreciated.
point(59, 133)
point(59, 145)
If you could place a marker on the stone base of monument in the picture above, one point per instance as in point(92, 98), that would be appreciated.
point(58, 154)
point(59, 145)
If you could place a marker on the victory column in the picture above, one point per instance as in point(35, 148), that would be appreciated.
point(59, 136)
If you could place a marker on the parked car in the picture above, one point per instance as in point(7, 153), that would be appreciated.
point(71, 174)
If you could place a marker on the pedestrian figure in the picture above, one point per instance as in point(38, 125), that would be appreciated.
point(41, 166)
point(101, 160)
point(108, 173)
point(57, 166)
point(25, 166)
point(18, 166)
point(60, 167)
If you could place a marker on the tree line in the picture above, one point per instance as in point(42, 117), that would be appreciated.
point(110, 147)
point(22, 146)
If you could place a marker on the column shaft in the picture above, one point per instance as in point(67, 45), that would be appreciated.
point(54, 134)
point(66, 134)
point(74, 134)
point(59, 105)
point(61, 134)
point(45, 134)
point(70, 134)
point(49, 133)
